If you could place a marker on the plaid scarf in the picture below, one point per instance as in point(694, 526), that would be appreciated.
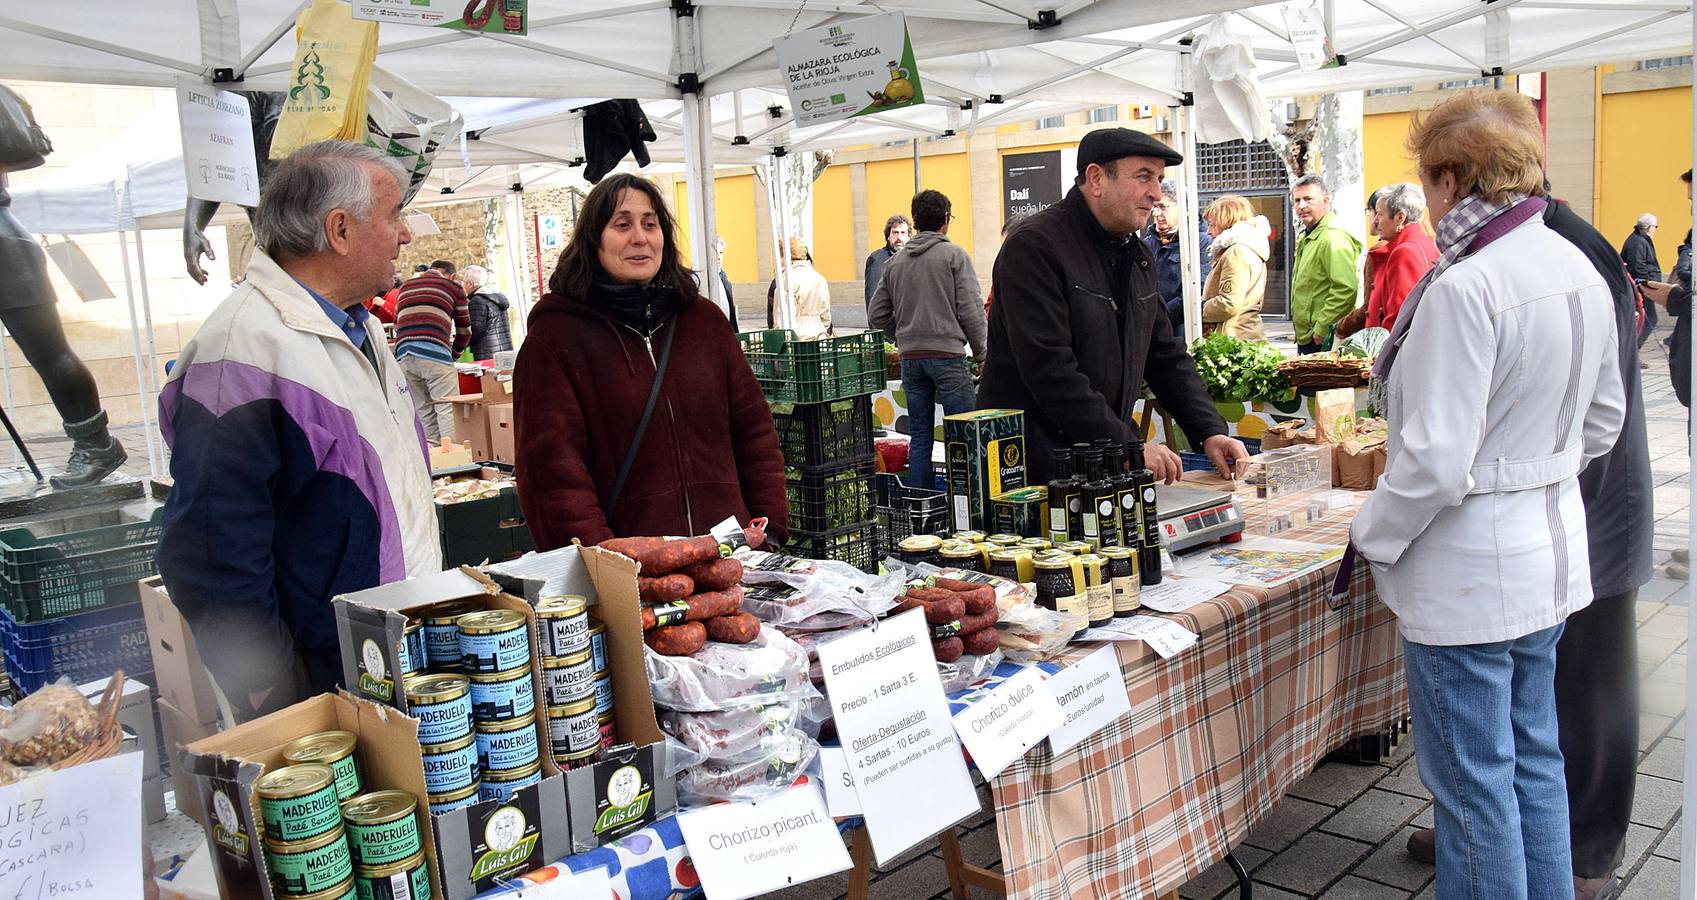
point(1459, 232)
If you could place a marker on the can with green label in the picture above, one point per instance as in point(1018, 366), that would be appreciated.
point(299, 803)
point(334, 749)
point(408, 879)
point(309, 867)
point(382, 827)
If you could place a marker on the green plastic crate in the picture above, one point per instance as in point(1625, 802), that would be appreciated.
point(831, 497)
point(823, 434)
point(77, 563)
point(818, 371)
point(856, 545)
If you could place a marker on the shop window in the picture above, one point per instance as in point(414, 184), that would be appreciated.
point(1104, 114)
point(1052, 122)
point(1666, 62)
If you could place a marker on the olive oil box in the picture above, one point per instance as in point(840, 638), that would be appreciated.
point(985, 450)
point(625, 792)
point(226, 765)
point(479, 846)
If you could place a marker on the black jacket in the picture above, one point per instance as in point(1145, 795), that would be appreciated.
point(1077, 327)
point(1616, 487)
point(612, 130)
point(1679, 306)
point(875, 269)
point(1639, 254)
point(490, 333)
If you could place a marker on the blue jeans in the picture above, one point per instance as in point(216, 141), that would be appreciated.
point(1485, 733)
point(928, 382)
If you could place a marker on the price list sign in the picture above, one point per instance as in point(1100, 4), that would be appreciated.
point(893, 720)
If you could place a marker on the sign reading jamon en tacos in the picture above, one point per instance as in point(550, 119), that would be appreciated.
point(854, 69)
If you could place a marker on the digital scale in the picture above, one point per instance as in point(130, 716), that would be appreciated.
point(1190, 516)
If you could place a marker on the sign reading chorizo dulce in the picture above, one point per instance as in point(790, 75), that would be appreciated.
point(894, 725)
point(1008, 720)
point(853, 69)
point(750, 848)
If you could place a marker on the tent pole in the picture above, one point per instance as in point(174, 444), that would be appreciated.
point(135, 344)
point(918, 185)
point(1688, 834)
point(1188, 203)
point(786, 300)
point(698, 181)
point(152, 383)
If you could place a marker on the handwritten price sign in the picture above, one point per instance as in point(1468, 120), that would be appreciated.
point(73, 834)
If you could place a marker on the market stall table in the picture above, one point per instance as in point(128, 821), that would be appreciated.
point(1215, 738)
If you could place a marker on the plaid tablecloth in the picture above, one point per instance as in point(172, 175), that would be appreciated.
point(1215, 737)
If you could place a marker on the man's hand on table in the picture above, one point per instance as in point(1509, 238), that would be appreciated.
point(1166, 465)
point(1228, 454)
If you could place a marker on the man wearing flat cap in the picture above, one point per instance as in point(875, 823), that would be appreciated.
point(1078, 325)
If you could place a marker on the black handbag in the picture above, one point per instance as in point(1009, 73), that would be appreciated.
point(23, 145)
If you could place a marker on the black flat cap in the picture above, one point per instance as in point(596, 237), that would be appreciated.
point(1104, 145)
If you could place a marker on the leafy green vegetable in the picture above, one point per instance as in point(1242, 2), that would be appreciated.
point(1365, 344)
point(1240, 370)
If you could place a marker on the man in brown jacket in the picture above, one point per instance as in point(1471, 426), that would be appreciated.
point(1078, 325)
point(928, 302)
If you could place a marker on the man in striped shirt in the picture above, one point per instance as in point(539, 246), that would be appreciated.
point(432, 326)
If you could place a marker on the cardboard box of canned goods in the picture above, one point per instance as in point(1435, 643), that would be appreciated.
point(479, 845)
point(227, 766)
point(618, 794)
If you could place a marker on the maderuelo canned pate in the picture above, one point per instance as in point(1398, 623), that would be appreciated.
point(452, 800)
point(451, 766)
point(503, 695)
point(567, 679)
point(501, 785)
point(415, 657)
point(573, 727)
point(299, 803)
point(441, 702)
point(408, 879)
point(562, 625)
point(382, 827)
point(506, 746)
point(442, 633)
point(334, 749)
point(494, 640)
point(309, 867)
point(603, 695)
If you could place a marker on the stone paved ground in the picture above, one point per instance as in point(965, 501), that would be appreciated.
point(1340, 833)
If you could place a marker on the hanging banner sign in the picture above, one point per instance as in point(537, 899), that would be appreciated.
point(497, 16)
point(1032, 182)
point(854, 69)
point(1307, 29)
point(218, 158)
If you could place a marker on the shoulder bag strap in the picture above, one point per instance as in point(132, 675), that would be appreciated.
point(647, 414)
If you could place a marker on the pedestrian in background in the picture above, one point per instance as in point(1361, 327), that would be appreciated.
point(1162, 236)
point(1240, 243)
point(432, 326)
point(928, 302)
point(1325, 279)
point(897, 229)
point(1638, 251)
point(491, 333)
point(1409, 252)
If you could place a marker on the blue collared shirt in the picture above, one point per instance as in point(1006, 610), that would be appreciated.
point(350, 321)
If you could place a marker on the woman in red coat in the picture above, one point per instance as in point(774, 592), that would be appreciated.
point(618, 299)
point(1410, 252)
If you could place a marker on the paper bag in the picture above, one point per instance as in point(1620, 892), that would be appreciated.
point(408, 124)
point(1334, 415)
point(1356, 466)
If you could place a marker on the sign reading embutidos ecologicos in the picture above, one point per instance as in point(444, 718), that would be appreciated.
point(854, 69)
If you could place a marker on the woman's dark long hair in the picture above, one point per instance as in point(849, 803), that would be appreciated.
point(580, 261)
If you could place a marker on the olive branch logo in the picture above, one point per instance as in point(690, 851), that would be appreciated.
point(310, 76)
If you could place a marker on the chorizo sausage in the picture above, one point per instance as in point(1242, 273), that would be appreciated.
point(983, 642)
point(677, 640)
point(955, 584)
point(946, 609)
point(907, 602)
point(948, 649)
point(974, 623)
point(736, 628)
point(980, 600)
point(658, 556)
point(715, 575)
point(697, 608)
point(665, 588)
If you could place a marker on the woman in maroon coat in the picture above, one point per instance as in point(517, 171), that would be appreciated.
point(616, 299)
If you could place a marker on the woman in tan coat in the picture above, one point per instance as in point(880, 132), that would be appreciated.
point(1231, 300)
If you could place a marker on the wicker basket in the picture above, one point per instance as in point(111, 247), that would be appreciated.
point(111, 736)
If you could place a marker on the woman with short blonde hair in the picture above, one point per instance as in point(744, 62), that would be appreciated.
point(1231, 300)
point(1502, 382)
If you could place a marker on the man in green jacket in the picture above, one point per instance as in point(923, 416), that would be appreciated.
point(1325, 280)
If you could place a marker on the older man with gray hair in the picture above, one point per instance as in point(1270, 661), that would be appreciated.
point(490, 331)
point(299, 466)
point(1639, 254)
point(1162, 238)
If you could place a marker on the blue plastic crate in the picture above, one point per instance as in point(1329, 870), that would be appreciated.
point(80, 647)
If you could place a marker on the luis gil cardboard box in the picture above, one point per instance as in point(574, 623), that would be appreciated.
point(227, 765)
point(481, 845)
point(986, 458)
point(627, 790)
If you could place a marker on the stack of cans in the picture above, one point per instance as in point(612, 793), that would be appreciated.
point(441, 701)
point(495, 651)
point(578, 693)
point(384, 842)
point(306, 850)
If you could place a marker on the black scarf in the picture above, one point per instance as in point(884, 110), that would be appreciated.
point(641, 307)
